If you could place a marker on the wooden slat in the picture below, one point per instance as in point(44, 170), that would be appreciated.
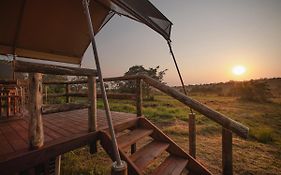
point(172, 165)
point(132, 137)
point(144, 156)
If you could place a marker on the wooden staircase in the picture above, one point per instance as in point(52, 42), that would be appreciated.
point(176, 162)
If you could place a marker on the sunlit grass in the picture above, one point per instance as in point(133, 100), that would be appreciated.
point(263, 119)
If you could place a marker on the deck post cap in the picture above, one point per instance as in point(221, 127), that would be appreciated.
point(119, 169)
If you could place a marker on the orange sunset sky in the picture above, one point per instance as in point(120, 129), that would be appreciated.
point(209, 38)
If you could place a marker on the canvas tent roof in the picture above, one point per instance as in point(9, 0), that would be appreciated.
point(57, 30)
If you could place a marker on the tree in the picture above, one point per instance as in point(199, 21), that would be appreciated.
point(130, 86)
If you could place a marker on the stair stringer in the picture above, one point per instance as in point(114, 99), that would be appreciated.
point(193, 165)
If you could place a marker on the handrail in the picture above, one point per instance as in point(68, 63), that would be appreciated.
point(217, 117)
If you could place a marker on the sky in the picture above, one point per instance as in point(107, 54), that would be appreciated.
point(209, 37)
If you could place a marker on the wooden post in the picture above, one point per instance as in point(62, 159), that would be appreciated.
point(67, 90)
point(57, 165)
point(138, 106)
point(14, 104)
point(92, 110)
point(46, 94)
point(36, 134)
point(139, 97)
point(0, 104)
point(192, 135)
point(8, 103)
point(227, 152)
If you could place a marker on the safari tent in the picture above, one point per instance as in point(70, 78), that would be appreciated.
point(34, 135)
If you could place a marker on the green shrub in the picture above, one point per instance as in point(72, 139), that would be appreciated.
point(263, 135)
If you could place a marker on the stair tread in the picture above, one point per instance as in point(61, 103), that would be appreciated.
point(173, 165)
point(132, 137)
point(144, 156)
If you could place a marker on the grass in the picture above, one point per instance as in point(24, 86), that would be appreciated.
point(260, 154)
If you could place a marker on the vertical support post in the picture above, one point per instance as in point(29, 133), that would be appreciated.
point(119, 164)
point(227, 152)
point(46, 94)
point(0, 103)
point(192, 135)
point(139, 82)
point(67, 90)
point(139, 97)
point(8, 104)
point(36, 134)
point(92, 110)
point(14, 104)
point(57, 165)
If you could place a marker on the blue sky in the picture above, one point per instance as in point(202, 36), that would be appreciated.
point(209, 38)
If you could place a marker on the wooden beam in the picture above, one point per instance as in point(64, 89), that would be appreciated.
point(47, 56)
point(227, 166)
point(36, 134)
point(48, 109)
point(22, 66)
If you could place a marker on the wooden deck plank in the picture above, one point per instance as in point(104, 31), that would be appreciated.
point(13, 138)
point(171, 166)
point(63, 128)
point(5, 147)
point(148, 153)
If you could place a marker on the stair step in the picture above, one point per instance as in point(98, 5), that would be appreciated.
point(132, 137)
point(172, 165)
point(144, 156)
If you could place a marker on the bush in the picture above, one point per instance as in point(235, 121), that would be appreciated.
point(252, 91)
point(263, 135)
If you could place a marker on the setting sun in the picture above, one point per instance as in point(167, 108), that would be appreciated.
point(238, 70)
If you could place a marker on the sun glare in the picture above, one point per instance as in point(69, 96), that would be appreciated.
point(238, 70)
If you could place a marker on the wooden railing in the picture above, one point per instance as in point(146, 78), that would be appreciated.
point(10, 99)
point(228, 125)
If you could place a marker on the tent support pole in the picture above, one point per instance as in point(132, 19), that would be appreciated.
point(119, 164)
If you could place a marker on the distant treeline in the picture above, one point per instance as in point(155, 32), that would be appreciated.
point(255, 90)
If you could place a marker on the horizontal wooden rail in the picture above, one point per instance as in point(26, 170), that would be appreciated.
point(219, 118)
point(123, 78)
point(47, 109)
point(112, 96)
point(28, 67)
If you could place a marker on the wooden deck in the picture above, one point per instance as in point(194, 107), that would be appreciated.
point(63, 131)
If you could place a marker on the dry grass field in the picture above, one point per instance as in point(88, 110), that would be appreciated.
point(260, 154)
